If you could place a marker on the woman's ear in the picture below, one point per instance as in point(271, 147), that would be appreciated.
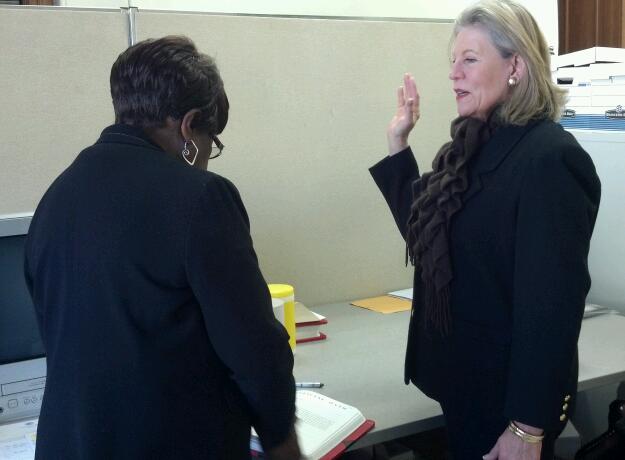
point(186, 124)
point(519, 68)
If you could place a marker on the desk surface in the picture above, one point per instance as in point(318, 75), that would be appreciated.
point(361, 363)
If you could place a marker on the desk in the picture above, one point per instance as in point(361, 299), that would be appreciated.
point(362, 364)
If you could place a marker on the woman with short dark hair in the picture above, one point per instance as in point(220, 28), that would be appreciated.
point(159, 331)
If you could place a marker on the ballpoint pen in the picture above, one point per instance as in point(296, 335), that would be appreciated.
point(308, 385)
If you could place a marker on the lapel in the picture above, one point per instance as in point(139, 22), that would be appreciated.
point(493, 153)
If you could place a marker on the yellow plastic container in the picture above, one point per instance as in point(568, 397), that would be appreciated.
point(286, 293)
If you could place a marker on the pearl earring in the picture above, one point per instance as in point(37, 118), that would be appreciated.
point(512, 81)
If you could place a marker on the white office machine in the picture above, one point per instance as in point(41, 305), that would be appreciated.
point(22, 361)
point(595, 81)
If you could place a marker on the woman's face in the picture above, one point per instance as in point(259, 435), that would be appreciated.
point(479, 73)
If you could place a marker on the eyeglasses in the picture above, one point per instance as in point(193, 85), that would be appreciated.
point(216, 149)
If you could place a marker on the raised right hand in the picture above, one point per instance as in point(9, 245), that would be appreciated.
point(406, 116)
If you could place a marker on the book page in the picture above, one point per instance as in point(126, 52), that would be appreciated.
point(322, 422)
point(308, 332)
point(304, 315)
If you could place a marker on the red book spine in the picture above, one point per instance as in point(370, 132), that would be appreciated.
point(321, 336)
point(311, 323)
point(366, 426)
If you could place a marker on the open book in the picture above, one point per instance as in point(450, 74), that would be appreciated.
point(325, 427)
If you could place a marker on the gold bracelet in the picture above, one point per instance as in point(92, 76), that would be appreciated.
point(524, 435)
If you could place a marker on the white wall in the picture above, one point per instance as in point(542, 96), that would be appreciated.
point(545, 11)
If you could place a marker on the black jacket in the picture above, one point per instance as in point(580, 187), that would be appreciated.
point(157, 323)
point(519, 251)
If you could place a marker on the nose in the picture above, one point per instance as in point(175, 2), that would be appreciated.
point(454, 71)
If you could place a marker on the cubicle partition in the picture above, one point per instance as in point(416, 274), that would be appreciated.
point(310, 101)
point(54, 94)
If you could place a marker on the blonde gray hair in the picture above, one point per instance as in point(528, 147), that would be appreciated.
point(513, 30)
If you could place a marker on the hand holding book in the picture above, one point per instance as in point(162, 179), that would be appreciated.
point(325, 427)
point(288, 450)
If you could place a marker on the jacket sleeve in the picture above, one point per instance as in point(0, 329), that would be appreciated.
point(223, 272)
point(556, 214)
point(394, 176)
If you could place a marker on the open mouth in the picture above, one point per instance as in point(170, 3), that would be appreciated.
point(460, 93)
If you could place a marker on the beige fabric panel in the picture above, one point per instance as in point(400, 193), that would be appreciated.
point(310, 101)
point(55, 99)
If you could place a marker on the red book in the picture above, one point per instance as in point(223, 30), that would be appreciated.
point(366, 426)
point(308, 325)
point(325, 427)
point(315, 338)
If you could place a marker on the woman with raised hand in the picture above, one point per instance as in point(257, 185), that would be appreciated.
point(499, 233)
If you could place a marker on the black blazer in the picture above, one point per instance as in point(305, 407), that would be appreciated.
point(159, 332)
point(519, 251)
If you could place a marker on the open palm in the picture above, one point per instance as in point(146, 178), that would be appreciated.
point(406, 116)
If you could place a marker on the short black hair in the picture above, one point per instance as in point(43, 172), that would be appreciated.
point(159, 78)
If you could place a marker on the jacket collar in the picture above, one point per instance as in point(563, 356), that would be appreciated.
point(494, 152)
point(126, 134)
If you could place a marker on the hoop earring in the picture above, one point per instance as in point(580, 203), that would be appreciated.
point(186, 152)
point(512, 81)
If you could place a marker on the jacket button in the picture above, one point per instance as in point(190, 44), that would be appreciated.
point(565, 407)
point(562, 418)
point(567, 398)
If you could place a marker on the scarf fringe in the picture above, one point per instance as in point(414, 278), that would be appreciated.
point(438, 309)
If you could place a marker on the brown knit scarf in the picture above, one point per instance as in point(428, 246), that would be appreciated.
point(437, 197)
